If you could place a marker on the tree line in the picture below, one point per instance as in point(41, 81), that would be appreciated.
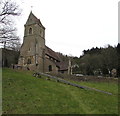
point(99, 61)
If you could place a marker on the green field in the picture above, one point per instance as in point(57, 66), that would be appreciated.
point(25, 94)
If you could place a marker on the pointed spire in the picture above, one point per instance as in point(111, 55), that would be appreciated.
point(32, 19)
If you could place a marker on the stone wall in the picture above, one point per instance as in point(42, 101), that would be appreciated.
point(50, 66)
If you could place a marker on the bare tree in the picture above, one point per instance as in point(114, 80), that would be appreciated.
point(8, 10)
point(13, 44)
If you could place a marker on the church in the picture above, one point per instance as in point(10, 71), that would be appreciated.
point(35, 55)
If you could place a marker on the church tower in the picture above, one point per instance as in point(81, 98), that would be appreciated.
point(32, 52)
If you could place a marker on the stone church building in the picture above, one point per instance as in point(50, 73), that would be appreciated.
point(34, 54)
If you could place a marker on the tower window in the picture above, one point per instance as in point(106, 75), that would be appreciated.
point(30, 31)
point(29, 61)
point(29, 49)
point(50, 68)
point(40, 31)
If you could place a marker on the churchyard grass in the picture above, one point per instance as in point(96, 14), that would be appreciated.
point(110, 87)
point(24, 94)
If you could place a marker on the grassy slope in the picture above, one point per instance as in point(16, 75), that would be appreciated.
point(23, 94)
point(111, 87)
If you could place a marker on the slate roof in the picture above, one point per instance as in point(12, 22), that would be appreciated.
point(63, 65)
point(51, 53)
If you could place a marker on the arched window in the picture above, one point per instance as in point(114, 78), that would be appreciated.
point(29, 61)
point(40, 32)
point(50, 68)
point(30, 31)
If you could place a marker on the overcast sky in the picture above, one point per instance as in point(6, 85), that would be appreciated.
point(73, 25)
